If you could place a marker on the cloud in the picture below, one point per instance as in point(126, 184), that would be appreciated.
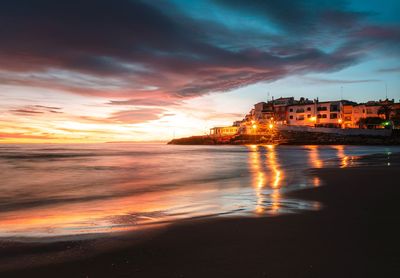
point(32, 110)
point(136, 116)
point(131, 116)
point(338, 81)
point(143, 102)
point(390, 70)
point(4, 135)
point(25, 111)
point(142, 54)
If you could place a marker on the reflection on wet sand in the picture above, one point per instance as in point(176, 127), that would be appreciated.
point(275, 169)
point(268, 181)
point(316, 181)
point(344, 159)
point(314, 156)
point(258, 175)
point(261, 171)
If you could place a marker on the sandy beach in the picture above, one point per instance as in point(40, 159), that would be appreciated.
point(355, 234)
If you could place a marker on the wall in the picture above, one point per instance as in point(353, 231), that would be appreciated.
point(348, 132)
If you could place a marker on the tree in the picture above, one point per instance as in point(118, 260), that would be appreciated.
point(395, 117)
point(385, 110)
point(370, 122)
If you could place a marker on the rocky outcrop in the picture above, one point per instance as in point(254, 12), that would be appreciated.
point(289, 138)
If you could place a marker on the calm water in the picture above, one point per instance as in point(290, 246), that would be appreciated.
point(52, 190)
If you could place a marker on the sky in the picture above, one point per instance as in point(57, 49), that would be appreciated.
point(98, 71)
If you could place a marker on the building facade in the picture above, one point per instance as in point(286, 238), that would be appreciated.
point(313, 113)
point(224, 131)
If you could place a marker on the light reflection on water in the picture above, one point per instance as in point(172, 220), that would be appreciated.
point(50, 190)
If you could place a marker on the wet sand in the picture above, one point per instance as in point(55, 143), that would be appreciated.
point(356, 234)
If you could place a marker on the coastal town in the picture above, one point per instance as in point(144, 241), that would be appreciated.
point(287, 120)
point(286, 112)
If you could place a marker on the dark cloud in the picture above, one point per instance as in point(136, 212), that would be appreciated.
point(25, 111)
point(144, 54)
point(32, 110)
point(300, 17)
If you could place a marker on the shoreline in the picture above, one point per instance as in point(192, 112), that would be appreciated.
point(354, 235)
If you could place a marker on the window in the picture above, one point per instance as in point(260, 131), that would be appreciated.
point(323, 116)
point(333, 116)
point(319, 116)
point(291, 110)
point(300, 110)
point(291, 117)
point(308, 108)
point(334, 107)
point(300, 118)
point(347, 119)
point(321, 108)
point(308, 115)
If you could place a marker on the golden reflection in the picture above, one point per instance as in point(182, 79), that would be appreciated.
point(273, 165)
point(314, 157)
point(316, 181)
point(260, 177)
point(344, 159)
point(276, 172)
point(275, 201)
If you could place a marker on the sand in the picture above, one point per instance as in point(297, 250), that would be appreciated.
point(355, 234)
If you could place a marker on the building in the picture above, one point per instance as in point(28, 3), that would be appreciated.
point(224, 131)
point(280, 106)
point(258, 120)
point(320, 114)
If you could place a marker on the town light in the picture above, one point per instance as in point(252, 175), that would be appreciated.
point(313, 119)
point(340, 121)
point(271, 126)
point(254, 126)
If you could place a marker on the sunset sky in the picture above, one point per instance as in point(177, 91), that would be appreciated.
point(98, 71)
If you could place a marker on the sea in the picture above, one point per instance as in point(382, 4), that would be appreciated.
point(56, 190)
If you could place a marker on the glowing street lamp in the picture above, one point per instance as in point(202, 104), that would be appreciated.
point(254, 126)
point(340, 121)
point(271, 126)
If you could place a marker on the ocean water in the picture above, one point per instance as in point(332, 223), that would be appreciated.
point(78, 189)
